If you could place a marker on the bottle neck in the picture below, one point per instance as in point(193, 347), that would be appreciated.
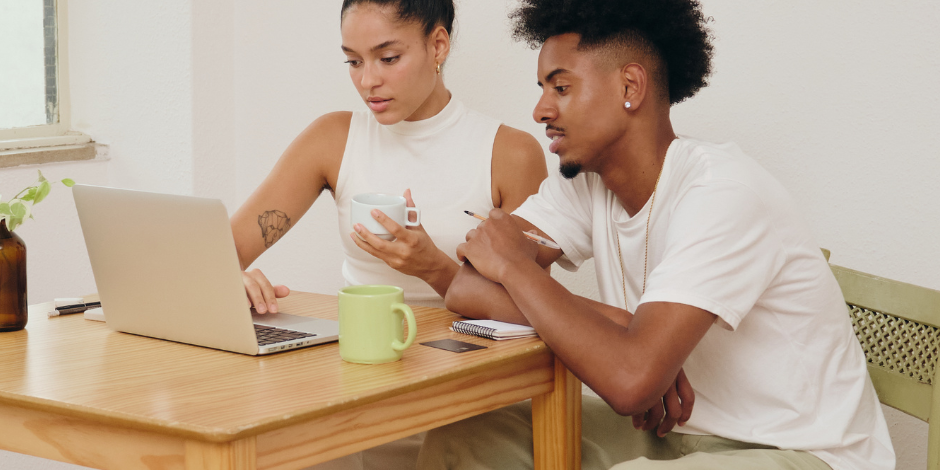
point(4, 231)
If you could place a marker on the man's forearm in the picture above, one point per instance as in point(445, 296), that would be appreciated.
point(472, 295)
point(593, 343)
point(618, 315)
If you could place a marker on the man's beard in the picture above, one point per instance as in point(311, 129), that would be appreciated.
point(569, 169)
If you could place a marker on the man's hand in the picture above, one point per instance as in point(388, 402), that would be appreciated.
point(496, 244)
point(675, 407)
point(261, 294)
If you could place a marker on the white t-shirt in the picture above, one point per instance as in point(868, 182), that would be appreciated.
point(781, 366)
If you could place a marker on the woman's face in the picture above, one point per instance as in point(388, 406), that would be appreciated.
point(391, 62)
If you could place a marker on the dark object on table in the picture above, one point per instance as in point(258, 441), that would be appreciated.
point(453, 345)
point(13, 305)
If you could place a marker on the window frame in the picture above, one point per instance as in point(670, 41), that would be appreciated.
point(47, 136)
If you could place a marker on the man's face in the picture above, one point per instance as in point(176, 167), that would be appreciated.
point(581, 104)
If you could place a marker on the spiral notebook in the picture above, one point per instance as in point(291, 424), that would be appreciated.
point(493, 329)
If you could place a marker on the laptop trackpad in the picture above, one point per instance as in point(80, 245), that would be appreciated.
point(290, 322)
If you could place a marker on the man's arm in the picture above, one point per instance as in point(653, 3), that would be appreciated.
point(631, 368)
point(475, 296)
point(494, 302)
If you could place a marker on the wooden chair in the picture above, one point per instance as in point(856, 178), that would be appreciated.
point(898, 326)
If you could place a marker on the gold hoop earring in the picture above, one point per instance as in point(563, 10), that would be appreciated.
point(438, 68)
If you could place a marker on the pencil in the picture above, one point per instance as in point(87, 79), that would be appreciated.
point(537, 239)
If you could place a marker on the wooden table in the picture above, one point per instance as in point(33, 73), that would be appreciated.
point(75, 391)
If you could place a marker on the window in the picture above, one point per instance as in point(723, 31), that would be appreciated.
point(34, 106)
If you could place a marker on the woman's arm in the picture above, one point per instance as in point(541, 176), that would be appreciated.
point(308, 166)
point(518, 168)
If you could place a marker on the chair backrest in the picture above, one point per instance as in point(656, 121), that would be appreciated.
point(898, 326)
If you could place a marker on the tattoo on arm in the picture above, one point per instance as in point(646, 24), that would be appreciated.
point(274, 224)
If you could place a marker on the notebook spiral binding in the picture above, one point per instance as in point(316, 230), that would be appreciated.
point(477, 330)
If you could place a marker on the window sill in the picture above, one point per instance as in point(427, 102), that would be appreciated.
point(53, 154)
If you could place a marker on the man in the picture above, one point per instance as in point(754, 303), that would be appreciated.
point(705, 248)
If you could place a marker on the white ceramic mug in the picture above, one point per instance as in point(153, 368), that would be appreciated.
point(360, 212)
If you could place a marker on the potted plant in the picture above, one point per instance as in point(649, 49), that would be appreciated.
point(13, 305)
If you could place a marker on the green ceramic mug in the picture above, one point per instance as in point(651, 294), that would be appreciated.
point(370, 324)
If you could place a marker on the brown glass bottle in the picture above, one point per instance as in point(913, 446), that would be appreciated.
point(13, 306)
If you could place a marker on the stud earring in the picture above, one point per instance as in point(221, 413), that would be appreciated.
point(627, 105)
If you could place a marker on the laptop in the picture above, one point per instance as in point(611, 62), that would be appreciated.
point(166, 267)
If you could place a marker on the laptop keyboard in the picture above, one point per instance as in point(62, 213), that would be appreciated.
point(270, 335)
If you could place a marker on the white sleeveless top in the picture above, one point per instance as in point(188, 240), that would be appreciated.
point(445, 160)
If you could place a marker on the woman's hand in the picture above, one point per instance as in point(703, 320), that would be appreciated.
point(412, 252)
point(262, 296)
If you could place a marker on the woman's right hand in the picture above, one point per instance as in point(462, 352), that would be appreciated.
point(262, 296)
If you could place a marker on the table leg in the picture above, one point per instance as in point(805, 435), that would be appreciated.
point(556, 423)
point(236, 455)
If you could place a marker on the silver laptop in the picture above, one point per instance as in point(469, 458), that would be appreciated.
point(166, 267)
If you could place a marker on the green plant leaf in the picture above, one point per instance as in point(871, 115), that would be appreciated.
point(18, 209)
point(30, 193)
point(42, 192)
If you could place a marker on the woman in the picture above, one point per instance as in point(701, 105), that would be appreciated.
point(415, 139)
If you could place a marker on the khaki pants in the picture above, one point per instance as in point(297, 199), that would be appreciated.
point(395, 455)
point(502, 439)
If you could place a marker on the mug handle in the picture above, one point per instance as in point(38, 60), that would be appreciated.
point(412, 327)
point(416, 212)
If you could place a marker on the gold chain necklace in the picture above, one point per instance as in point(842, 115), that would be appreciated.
point(646, 250)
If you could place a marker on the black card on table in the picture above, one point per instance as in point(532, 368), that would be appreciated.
point(453, 345)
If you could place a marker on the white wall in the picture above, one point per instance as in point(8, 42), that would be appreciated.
point(132, 86)
point(836, 99)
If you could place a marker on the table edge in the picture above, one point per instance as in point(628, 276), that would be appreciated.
point(220, 434)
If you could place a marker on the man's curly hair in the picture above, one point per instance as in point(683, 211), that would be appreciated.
point(672, 31)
